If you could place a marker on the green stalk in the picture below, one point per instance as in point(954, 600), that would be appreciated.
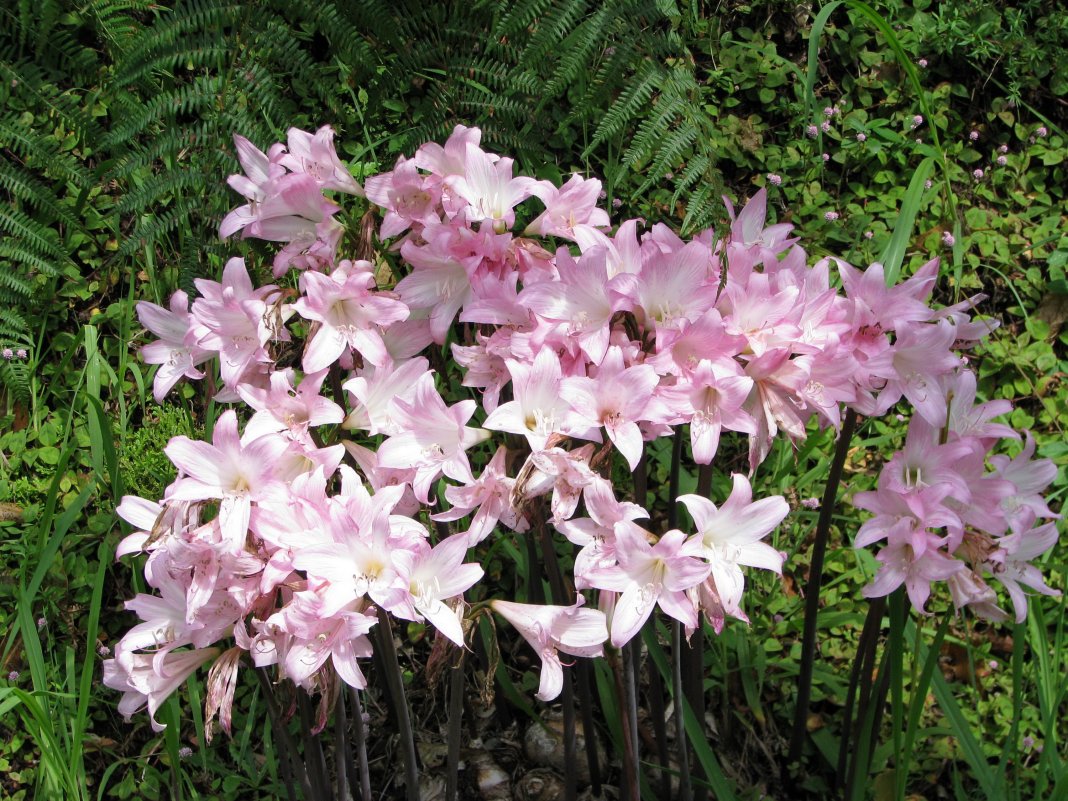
point(456, 711)
point(361, 745)
point(916, 705)
point(815, 583)
point(395, 685)
point(314, 758)
point(343, 765)
point(563, 596)
point(863, 663)
point(685, 785)
point(586, 708)
point(291, 764)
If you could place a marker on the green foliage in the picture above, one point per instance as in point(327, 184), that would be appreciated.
point(116, 119)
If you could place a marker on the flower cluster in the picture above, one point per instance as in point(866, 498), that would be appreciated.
point(948, 511)
point(582, 341)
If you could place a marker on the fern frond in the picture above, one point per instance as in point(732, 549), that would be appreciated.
point(38, 238)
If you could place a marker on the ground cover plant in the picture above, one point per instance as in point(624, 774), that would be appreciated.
point(117, 132)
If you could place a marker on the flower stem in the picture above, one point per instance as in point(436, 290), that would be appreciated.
point(685, 786)
point(815, 582)
point(456, 711)
point(395, 684)
point(361, 745)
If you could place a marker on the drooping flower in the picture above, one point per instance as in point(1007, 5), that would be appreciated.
point(551, 630)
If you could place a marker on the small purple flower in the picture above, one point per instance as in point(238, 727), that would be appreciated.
point(1042, 133)
point(974, 136)
point(869, 234)
point(826, 126)
point(602, 195)
point(617, 203)
point(928, 184)
point(812, 131)
point(8, 354)
point(811, 503)
point(993, 664)
point(917, 121)
point(778, 618)
point(1003, 149)
point(669, 176)
point(185, 752)
point(828, 111)
point(21, 353)
point(774, 179)
point(13, 675)
point(948, 239)
point(41, 623)
point(978, 174)
point(923, 63)
point(862, 137)
point(831, 216)
point(826, 156)
point(1002, 161)
point(1028, 743)
point(103, 650)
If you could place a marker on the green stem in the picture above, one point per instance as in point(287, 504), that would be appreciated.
point(456, 711)
point(395, 684)
point(361, 745)
point(685, 786)
point(815, 582)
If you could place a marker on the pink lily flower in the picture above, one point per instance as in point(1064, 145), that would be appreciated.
point(491, 495)
point(176, 358)
point(436, 575)
point(350, 313)
point(730, 537)
point(616, 398)
point(294, 410)
point(433, 438)
point(230, 470)
point(551, 630)
point(490, 190)
point(145, 683)
point(648, 575)
point(315, 155)
point(571, 206)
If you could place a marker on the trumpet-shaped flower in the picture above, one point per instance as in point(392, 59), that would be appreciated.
point(433, 438)
point(552, 630)
point(648, 575)
point(730, 537)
